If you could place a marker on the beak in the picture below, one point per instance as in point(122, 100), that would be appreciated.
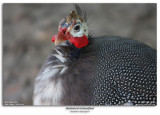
point(60, 37)
point(63, 34)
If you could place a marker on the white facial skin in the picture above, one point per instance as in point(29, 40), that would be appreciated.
point(79, 29)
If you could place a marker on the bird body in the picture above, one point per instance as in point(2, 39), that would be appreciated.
point(126, 72)
point(86, 70)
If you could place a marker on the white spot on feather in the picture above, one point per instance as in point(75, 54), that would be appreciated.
point(49, 72)
point(59, 53)
point(129, 103)
point(63, 70)
point(61, 58)
point(58, 66)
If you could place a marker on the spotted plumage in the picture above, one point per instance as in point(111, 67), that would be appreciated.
point(126, 72)
point(104, 70)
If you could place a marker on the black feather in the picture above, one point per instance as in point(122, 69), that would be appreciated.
point(85, 17)
point(78, 9)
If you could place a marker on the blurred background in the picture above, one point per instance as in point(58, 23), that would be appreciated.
point(28, 29)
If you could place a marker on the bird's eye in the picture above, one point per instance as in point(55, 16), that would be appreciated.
point(77, 27)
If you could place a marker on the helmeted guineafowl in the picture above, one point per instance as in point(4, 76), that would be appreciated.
point(87, 70)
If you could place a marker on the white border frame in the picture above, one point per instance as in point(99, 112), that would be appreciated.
point(27, 110)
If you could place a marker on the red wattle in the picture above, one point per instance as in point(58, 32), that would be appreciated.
point(79, 42)
point(53, 38)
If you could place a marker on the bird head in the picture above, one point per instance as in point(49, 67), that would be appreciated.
point(74, 29)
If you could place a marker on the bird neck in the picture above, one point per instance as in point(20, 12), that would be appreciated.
point(75, 52)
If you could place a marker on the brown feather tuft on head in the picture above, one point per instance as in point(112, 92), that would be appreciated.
point(73, 16)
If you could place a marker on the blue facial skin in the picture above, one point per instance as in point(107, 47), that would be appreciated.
point(66, 25)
